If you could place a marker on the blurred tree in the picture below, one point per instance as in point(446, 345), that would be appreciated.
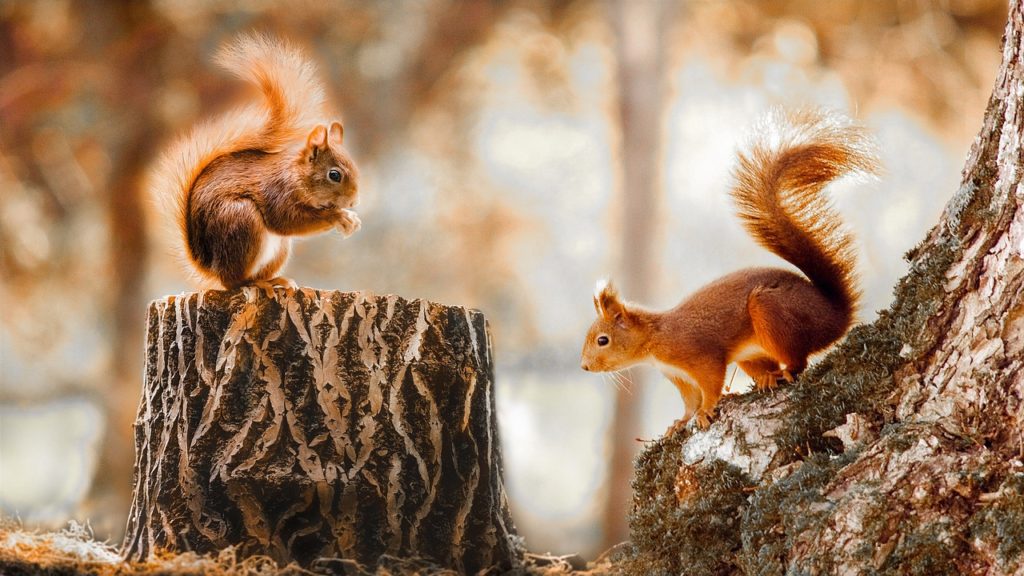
point(97, 58)
point(640, 31)
point(130, 37)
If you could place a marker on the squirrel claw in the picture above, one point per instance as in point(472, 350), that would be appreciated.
point(676, 426)
point(703, 422)
point(771, 379)
point(767, 381)
point(349, 222)
point(278, 282)
point(703, 419)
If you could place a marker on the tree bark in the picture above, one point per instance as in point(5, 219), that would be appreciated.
point(304, 424)
point(899, 453)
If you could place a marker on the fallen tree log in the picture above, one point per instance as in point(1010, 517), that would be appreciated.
point(901, 452)
point(306, 424)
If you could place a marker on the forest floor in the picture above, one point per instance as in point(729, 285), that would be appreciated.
point(73, 552)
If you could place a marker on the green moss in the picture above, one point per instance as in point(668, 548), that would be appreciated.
point(695, 535)
point(927, 551)
point(780, 512)
point(791, 512)
point(857, 375)
point(854, 378)
point(1002, 523)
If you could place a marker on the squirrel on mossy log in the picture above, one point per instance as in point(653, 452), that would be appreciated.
point(307, 424)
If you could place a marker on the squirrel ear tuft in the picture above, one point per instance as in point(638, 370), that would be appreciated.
point(337, 133)
point(317, 138)
point(606, 300)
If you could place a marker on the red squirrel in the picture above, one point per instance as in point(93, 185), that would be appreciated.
point(766, 320)
point(240, 186)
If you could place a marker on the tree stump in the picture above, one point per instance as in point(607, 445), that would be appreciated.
point(303, 424)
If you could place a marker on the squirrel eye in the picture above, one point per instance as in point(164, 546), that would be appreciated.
point(334, 174)
point(602, 340)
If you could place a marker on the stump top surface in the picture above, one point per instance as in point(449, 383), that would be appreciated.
point(215, 296)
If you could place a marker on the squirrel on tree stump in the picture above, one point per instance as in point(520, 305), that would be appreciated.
point(240, 186)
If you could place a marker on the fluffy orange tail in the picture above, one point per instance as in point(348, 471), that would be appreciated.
point(293, 102)
point(294, 97)
point(778, 194)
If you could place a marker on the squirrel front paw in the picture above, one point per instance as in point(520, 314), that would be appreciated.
point(348, 222)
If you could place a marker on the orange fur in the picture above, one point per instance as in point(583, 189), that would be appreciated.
point(257, 169)
point(767, 320)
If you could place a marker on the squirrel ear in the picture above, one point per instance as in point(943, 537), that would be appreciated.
point(606, 300)
point(317, 138)
point(337, 133)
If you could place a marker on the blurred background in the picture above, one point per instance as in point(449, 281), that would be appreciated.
point(512, 153)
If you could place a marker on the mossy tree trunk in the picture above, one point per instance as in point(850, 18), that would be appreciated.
point(901, 452)
point(305, 424)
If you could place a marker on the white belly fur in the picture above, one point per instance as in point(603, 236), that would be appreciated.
point(270, 246)
point(673, 371)
point(749, 351)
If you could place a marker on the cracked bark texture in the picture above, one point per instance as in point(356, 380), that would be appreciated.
point(303, 424)
point(901, 451)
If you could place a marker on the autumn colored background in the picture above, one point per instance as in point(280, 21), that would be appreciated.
point(512, 153)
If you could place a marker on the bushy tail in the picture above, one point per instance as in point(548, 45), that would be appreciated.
point(294, 96)
point(293, 100)
point(778, 193)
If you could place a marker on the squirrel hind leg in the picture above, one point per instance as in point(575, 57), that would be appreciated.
point(224, 241)
point(266, 275)
point(271, 285)
point(781, 333)
point(764, 371)
point(270, 258)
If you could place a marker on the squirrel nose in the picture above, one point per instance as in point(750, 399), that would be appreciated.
point(585, 366)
